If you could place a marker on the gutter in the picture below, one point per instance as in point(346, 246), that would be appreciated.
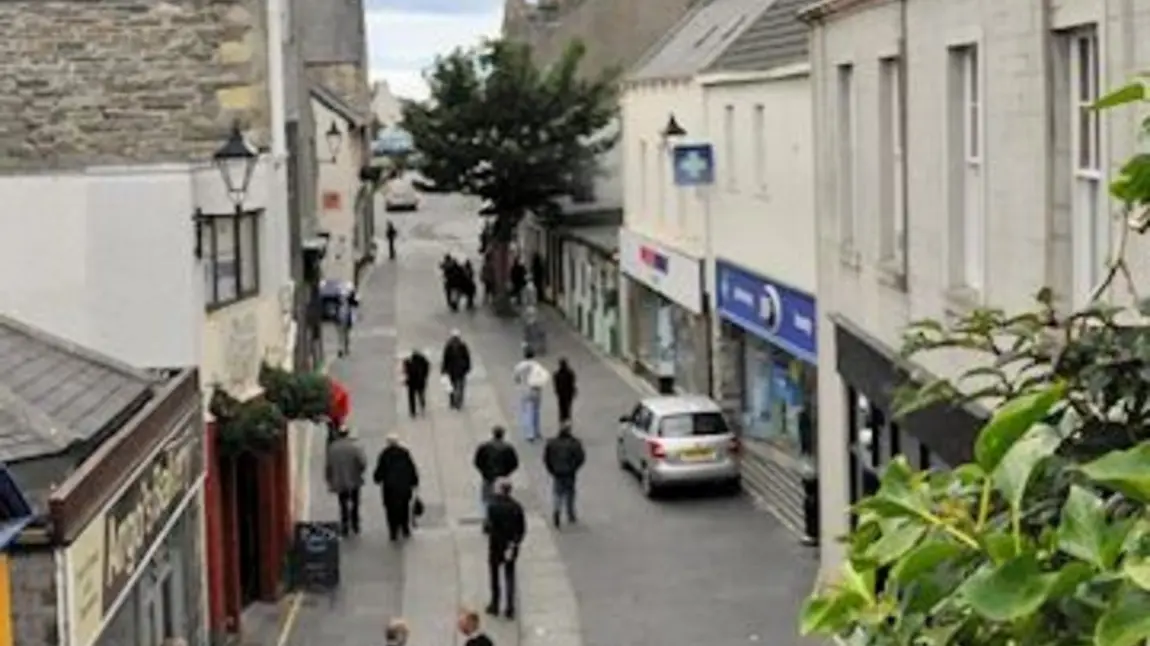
point(802, 68)
point(826, 8)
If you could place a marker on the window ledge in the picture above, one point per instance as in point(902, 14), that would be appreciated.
point(962, 300)
point(850, 257)
point(212, 308)
point(892, 274)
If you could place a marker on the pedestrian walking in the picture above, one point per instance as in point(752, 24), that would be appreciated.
point(456, 365)
point(565, 390)
point(487, 276)
point(531, 377)
point(518, 279)
point(416, 369)
point(345, 318)
point(391, 234)
point(494, 459)
point(563, 457)
point(344, 468)
point(468, 284)
point(447, 269)
point(507, 528)
point(398, 478)
point(471, 629)
point(396, 633)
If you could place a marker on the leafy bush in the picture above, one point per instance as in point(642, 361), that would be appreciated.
point(1044, 539)
point(252, 426)
point(299, 395)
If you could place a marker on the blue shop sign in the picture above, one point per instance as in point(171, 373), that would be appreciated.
point(779, 314)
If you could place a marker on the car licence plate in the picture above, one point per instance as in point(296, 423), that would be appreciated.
point(697, 455)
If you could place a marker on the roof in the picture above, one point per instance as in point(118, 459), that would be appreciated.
point(336, 104)
point(700, 38)
point(55, 394)
point(680, 404)
point(776, 39)
point(822, 8)
point(604, 237)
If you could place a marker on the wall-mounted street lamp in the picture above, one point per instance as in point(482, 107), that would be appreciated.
point(236, 161)
point(672, 131)
point(334, 141)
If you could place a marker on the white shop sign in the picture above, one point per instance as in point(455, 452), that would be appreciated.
point(671, 273)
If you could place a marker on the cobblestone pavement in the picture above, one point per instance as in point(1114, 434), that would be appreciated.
point(693, 568)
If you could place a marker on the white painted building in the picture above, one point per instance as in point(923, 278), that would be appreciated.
point(663, 241)
point(341, 210)
point(957, 166)
point(757, 116)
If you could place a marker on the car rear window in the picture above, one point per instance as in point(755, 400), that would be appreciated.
point(693, 424)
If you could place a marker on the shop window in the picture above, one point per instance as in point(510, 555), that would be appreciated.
point(778, 397)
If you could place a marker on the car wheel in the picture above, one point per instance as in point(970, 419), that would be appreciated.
point(621, 456)
point(649, 488)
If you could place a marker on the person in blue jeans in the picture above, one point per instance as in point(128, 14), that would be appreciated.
point(530, 376)
point(563, 457)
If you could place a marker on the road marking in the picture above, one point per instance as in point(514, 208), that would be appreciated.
point(289, 622)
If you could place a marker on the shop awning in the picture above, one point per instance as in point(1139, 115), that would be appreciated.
point(15, 512)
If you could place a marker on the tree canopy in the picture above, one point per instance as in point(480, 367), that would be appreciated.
point(1044, 538)
point(498, 127)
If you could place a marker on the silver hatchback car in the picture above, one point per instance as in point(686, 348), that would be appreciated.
point(678, 440)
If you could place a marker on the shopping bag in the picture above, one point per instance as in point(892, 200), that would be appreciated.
point(445, 381)
point(538, 377)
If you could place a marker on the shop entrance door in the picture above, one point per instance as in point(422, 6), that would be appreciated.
point(248, 513)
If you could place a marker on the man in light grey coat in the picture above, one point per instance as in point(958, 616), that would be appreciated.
point(346, 463)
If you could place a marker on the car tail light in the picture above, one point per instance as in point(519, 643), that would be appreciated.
point(656, 450)
point(734, 446)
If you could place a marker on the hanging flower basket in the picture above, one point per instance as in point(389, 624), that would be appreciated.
point(298, 395)
point(253, 426)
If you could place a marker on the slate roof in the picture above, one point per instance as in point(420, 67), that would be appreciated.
point(700, 38)
point(55, 394)
point(336, 104)
point(776, 39)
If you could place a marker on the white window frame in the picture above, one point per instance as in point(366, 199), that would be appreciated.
point(891, 162)
point(846, 133)
point(1090, 226)
point(970, 112)
point(759, 129)
point(729, 138)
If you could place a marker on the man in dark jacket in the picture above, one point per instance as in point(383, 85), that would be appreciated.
point(391, 234)
point(397, 477)
point(416, 369)
point(565, 390)
point(564, 456)
point(508, 526)
point(448, 271)
point(494, 459)
point(456, 364)
point(343, 471)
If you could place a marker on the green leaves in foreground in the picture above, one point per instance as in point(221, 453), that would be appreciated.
point(1011, 422)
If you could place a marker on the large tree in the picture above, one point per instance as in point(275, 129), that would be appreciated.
point(500, 127)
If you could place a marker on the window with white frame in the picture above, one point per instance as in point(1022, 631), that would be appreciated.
point(1090, 228)
point(846, 154)
point(758, 131)
point(967, 204)
point(229, 247)
point(729, 137)
point(891, 165)
point(644, 199)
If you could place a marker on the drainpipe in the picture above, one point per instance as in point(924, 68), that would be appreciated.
point(276, 92)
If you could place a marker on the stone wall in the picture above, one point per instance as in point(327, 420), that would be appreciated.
point(348, 80)
point(33, 579)
point(85, 83)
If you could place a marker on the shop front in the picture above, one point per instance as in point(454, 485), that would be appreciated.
point(130, 525)
point(768, 358)
point(591, 272)
point(668, 340)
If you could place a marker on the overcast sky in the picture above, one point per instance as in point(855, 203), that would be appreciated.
point(405, 35)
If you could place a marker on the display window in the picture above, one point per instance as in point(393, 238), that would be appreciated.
point(779, 397)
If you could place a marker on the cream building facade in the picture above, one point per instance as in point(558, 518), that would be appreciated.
point(342, 211)
point(957, 166)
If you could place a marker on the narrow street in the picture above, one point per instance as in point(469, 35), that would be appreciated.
point(689, 569)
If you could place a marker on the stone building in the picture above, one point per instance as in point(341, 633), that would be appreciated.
point(334, 48)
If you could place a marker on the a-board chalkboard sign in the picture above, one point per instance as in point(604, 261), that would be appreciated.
point(317, 555)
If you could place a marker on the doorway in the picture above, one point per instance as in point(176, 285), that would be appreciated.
point(247, 492)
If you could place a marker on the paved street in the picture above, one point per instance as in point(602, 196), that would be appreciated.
point(694, 568)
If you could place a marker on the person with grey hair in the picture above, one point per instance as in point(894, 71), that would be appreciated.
point(506, 528)
point(396, 633)
point(343, 471)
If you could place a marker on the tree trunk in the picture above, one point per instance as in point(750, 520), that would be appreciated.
point(500, 251)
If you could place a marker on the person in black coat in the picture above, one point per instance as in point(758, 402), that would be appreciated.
point(508, 526)
point(564, 457)
point(494, 459)
point(456, 364)
point(518, 279)
point(468, 286)
point(397, 477)
point(565, 390)
point(447, 269)
point(392, 233)
point(416, 369)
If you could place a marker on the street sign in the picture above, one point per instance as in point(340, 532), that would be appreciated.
point(694, 165)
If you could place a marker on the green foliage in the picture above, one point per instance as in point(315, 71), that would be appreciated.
point(498, 127)
point(298, 395)
point(252, 426)
point(1044, 538)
